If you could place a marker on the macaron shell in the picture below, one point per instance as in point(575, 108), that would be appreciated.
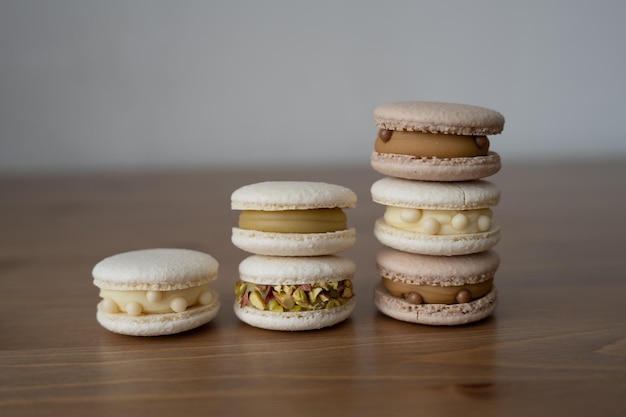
point(293, 244)
point(288, 270)
point(466, 195)
point(439, 245)
point(437, 117)
point(160, 324)
point(416, 269)
point(161, 269)
point(436, 169)
point(435, 314)
point(292, 195)
point(294, 321)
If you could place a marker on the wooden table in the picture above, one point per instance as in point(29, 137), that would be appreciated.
point(555, 346)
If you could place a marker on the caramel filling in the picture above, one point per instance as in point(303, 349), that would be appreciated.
point(421, 144)
point(294, 221)
point(295, 297)
point(428, 294)
point(439, 222)
point(135, 303)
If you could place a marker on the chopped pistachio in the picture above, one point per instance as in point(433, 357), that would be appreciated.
point(273, 305)
point(257, 300)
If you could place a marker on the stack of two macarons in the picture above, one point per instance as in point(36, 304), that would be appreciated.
point(294, 280)
point(437, 267)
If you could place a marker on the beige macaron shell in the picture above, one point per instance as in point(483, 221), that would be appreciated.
point(436, 169)
point(466, 195)
point(416, 269)
point(155, 269)
point(273, 270)
point(435, 314)
point(295, 321)
point(436, 117)
point(292, 195)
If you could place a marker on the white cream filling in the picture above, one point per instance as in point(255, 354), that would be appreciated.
point(439, 222)
point(135, 303)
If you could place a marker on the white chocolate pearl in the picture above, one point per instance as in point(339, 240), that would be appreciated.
point(410, 215)
point(460, 221)
point(178, 304)
point(133, 308)
point(108, 306)
point(205, 298)
point(431, 226)
point(154, 296)
point(484, 223)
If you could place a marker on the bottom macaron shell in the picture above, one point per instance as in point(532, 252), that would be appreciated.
point(438, 245)
point(435, 314)
point(294, 321)
point(293, 244)
point(436, 169)
point(160, 324)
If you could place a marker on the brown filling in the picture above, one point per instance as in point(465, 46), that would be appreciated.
point(294, 221)
point(429, 294)
point(421, 144)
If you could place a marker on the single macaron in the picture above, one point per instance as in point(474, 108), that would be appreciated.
point(293, 218)
point(436, 218)
point(432, 141)
point(294, 293)
point(154, 292)
point(436, 290)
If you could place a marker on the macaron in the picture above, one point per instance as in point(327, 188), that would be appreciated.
point(433, 141)
point(154, 292)
point(436, 290)
point(294, 293)
point(436, 218)
point(293, 218)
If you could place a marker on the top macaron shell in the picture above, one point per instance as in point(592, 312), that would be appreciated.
point(292, 195)
point(272, 270)
point(467, 195)
point(436, 117)
point(155, 270)
point(443, 119)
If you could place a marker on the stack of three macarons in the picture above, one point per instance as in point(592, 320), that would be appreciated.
point(294, 280)
point(437, 267)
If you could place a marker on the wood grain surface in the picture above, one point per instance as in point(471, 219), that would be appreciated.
point(555, 346)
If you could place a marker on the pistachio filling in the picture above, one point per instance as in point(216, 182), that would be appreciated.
point(430, 145)
point(430, 294)
point(135, 303)
point(439, 222)
point(294, 221)
point(292, 298)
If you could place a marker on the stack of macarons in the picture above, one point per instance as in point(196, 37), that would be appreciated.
point(437, 267)
point(294, 280)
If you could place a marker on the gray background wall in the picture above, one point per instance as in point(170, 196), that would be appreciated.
point(88, 85)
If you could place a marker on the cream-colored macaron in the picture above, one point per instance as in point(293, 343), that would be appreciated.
point(294, 293)
point(154, 292)
point(434, 141)
point(436, 218)
point(436, 290)
point(293, 218)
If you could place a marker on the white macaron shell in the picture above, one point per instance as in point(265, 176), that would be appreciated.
point(466, 195)
point(272, 270)
point(294, 321)
point(155, 269)
point(292, 195)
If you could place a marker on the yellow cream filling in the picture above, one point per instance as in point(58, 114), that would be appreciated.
point(294, 221)
point(439, 222)
point(153, 302)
